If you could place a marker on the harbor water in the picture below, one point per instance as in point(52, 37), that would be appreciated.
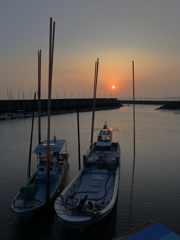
point(149, 187)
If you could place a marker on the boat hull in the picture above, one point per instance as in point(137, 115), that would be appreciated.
point(80, 222)
point(83, 224)
point(28, 212)
point(92, 194)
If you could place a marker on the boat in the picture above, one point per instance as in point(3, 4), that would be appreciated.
point(23, 114)
point(32, 196)
point(93, 192)
point(7, 116)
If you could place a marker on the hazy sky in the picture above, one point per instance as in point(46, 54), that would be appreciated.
point(115, 31)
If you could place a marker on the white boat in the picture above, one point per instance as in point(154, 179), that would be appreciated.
point(32, 196)
point(93, 192)
point(23, 114)
point(6, 116)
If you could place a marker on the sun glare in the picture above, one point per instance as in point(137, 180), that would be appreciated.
point(113, 87)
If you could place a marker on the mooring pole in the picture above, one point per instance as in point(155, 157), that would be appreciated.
point(94, 97)
point(39, 96)
point(79, 151)
point(51, 51)
point(30, 148)
point(133, 108)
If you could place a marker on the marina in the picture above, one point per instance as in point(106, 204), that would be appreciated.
point(148, 189)
point(73, 182)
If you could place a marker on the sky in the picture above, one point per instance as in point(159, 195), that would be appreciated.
point(115, 31)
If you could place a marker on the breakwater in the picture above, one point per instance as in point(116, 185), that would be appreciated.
point(149, 102)
point(58, 104)
point(84, 104)
point(164, 104)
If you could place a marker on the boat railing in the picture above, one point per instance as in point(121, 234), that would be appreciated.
point(87, 153)
point(114, 146)
point(63, 155)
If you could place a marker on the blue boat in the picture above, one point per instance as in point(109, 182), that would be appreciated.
point(31, 198)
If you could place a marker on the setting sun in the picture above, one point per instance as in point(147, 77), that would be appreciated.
point(113, 86)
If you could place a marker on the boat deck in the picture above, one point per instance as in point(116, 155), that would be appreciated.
point(97, 185)
point(94, 185)
point(108, 157)
point(41, 184)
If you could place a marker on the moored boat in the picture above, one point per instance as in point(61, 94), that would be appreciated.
point(93, 192)
point(32, 196)
point(6, 116)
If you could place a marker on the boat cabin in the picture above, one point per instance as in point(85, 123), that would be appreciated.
point(104, 141)
point(105, 135)
point(42, 170)
point(58, 154)
point(103, 147)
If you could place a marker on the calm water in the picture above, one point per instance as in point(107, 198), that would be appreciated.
point(150, 191)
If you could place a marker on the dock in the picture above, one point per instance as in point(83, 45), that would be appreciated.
point(150, 230)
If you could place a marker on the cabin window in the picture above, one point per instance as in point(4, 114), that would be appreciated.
point(104, 138)
point(103, 148)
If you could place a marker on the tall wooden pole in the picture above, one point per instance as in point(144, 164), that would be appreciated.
point(24, 104)
point(8, 100)
point(29, 162)
point(133, 106)
point(79, 151)
point(11, 101)
point(51, 53)
point(18, 99)
point(94, 96)
point(64, 97)
point(39, 96)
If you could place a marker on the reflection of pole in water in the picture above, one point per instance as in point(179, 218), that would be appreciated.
point(131, 193)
